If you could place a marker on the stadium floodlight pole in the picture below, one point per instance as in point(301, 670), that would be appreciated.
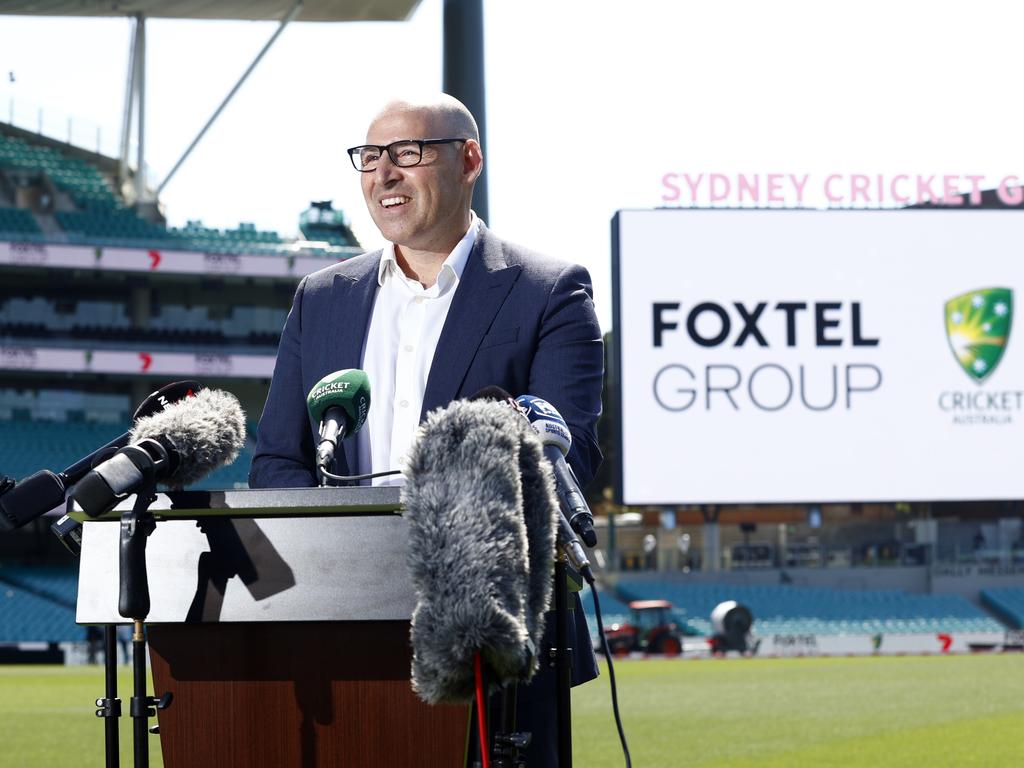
point(284, 23)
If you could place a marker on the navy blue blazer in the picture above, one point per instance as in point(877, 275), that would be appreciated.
point(519, 321)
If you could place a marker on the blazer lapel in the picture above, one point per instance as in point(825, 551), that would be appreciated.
point(486, 281)
point(352, 297)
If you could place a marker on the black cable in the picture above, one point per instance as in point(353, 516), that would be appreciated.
point(354, 478)
point(611, 677)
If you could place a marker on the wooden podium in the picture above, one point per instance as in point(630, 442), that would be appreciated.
point(280, 622)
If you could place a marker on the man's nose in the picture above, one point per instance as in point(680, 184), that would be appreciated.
point(386, 170)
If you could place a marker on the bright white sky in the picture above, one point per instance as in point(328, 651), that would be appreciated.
point(589, 103)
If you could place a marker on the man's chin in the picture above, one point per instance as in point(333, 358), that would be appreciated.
point(392, 231)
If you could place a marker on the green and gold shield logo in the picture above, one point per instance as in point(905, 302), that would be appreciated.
point(977, 327)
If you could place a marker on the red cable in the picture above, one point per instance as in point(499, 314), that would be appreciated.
point(480, 703)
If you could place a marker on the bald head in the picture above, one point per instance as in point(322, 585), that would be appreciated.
point(446, 115)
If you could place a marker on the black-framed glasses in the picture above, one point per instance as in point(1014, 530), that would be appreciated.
point(404, 153)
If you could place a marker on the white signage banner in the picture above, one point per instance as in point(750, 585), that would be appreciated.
point(159, 261)
point(155, 363)
point(811, 356)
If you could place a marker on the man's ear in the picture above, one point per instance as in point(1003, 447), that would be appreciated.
point(472, 160)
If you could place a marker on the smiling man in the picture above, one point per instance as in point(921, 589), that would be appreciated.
point(443, 311)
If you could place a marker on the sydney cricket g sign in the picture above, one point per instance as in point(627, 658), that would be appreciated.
point(785, 356)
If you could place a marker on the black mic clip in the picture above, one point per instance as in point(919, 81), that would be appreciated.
point(6, 484)
point(136, 526)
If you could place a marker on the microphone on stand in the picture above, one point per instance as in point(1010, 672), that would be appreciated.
point(33, 497)
point(481, 511)
point(339, 402)
point(567, 536)
point(555, 435)
point(177, 447)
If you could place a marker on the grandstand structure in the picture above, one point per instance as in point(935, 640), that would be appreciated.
point(101, 303)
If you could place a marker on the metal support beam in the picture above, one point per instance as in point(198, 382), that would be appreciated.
point(140, 93)
point(129, 104)
point(284, 23)
point(464, 73)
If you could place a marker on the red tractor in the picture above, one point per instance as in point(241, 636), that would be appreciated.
point(651, 629)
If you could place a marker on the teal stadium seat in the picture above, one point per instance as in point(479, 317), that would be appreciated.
point(37, 604)
point(101, 217)
point(1007, 603)
point(17, 222)
point(82, 181)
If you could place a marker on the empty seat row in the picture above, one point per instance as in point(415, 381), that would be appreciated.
point(82, 181)
point(18, 221)
point(1007, 603)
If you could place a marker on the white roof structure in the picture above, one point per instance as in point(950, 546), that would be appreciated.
point(238, 10)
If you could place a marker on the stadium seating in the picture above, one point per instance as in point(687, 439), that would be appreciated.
point(102, 218)
point(83, 183)
point(245, 239)
point(111, 225)
point(18, 222)
point(37, 604)
point(26, 446)
point(1007, 603)
point(64, 405)
point(56, 583)
point(108, 321)
point(823, 611)
point(28, 617)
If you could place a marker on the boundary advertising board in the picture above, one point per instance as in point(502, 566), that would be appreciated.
point(787, 356)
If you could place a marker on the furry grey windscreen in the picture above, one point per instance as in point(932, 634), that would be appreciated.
point(208, 431)
point(481, 506)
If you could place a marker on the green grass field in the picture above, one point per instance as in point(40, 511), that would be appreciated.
point(879, 712)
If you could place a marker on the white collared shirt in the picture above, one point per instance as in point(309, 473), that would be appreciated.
point(401, 337)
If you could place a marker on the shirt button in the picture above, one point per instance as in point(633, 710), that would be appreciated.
point(404, 403)
point(408, 347)
point(419, 300)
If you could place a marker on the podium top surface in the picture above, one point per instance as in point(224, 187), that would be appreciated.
point(279, 502)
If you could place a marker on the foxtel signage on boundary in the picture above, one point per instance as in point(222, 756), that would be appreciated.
point(770, 356)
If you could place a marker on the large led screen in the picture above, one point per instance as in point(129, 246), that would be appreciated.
point(810, 356)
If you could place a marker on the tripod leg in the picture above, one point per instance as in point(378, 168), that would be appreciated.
point(563, 665)
point(140, 701)
point(111, 710)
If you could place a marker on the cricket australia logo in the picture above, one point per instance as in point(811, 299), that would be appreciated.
point(978, 327)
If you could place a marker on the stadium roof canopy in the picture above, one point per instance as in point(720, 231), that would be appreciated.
point(463, 51)
point(240, 10)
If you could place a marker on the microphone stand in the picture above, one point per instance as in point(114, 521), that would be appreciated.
point(110, 705)
point(562, 654)
point(508, 741)
point(133, 603)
